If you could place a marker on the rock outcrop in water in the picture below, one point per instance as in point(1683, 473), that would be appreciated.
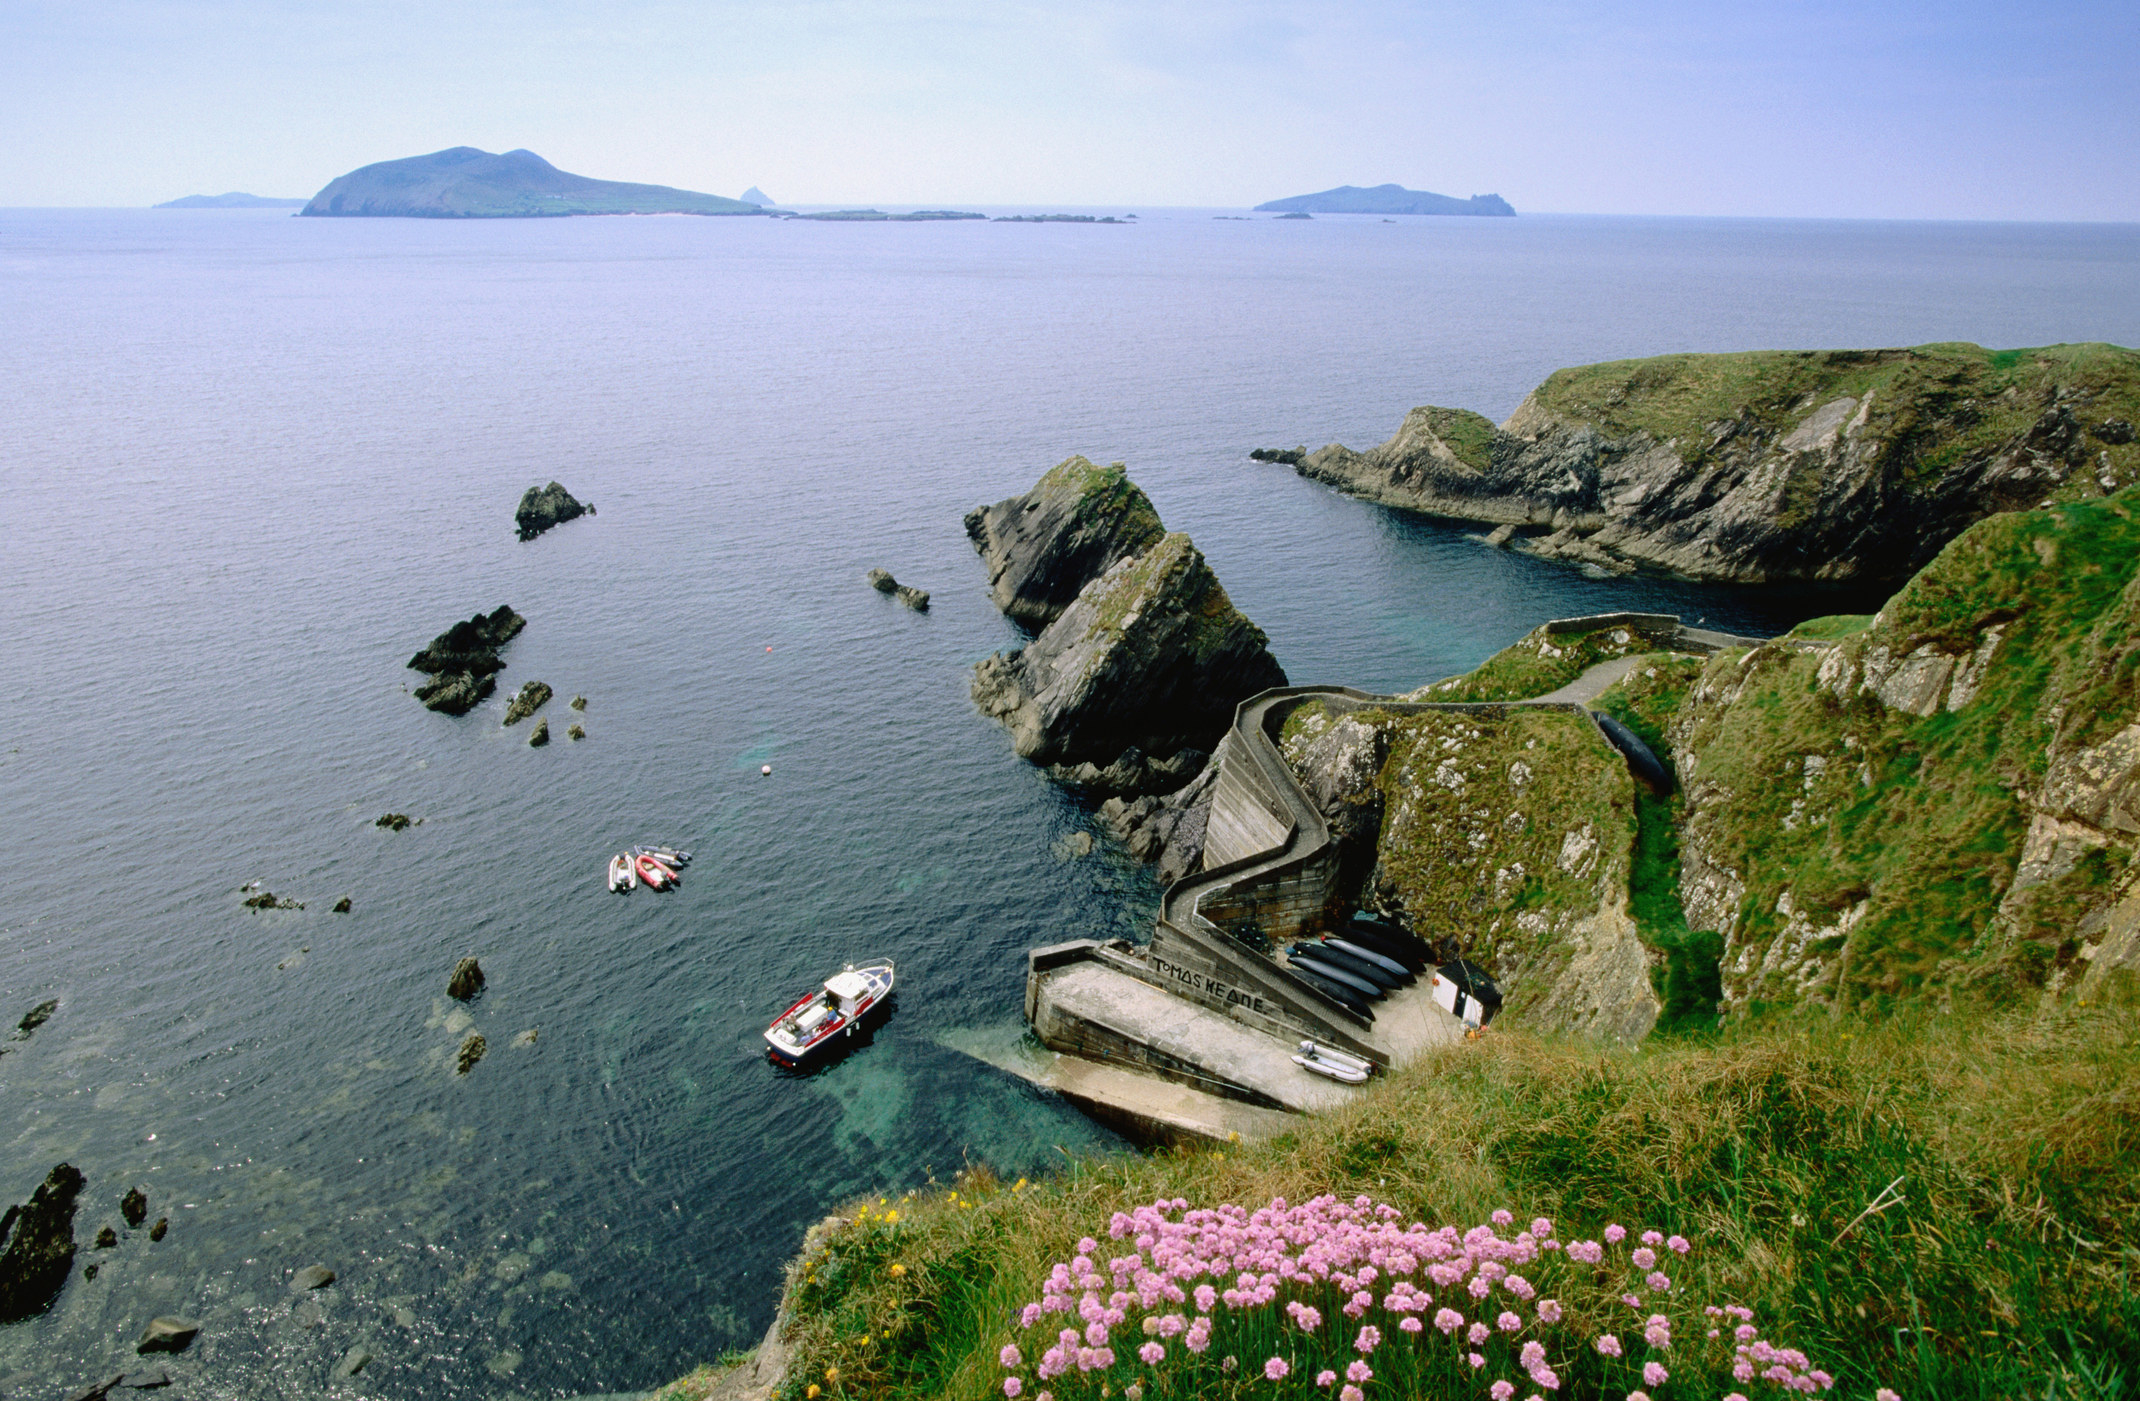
point(531, 698)
point(467, 980)
point(463, 661)
point(882, 581)
point(1152, 655)
point(37, 1246)
point(1042, 548)
point(543, 507)
point(1766, 466)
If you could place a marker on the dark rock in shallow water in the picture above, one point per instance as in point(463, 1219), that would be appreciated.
point(882, 581)
point(1169, 830)
point(107, 1238)
point(353, 1362)
point(575, 732)
point(392, 821)
point(167, 1334)
point(269, 900)
point(161, 1228)
point(472, 1051)
point(38, 1246)
point(579, 702)
point(311, 1277)
point(543, 507)
point(531, 698)
point(34, 1018)
point(1133, 773)
point(134, 1207)
point(540, 735)
point(467, 980)
point(341, 906)
point(1291, 457)
point(89, 1272)
point(463, 661)
point(95, 1391)
point(1044, 547)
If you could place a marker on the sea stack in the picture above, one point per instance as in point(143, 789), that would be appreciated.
point(543, 507)
point(1148, 657)
point(463, 661)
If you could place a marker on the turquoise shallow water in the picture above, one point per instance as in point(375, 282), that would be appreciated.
point(254, 462)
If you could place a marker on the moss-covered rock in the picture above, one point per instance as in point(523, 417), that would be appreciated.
point(1042, 548)
point(1772, 465)
point(1945, 801)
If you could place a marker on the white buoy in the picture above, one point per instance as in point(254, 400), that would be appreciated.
point(766, 769)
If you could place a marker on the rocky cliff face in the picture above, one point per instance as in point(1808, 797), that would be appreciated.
point(1770, 465)
point(1944, 803)
point(1151, 655)
point(1042, 548)
point(1504, 837)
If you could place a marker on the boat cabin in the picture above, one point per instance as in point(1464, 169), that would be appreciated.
point(845, 992)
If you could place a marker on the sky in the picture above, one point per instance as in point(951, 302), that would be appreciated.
point(1794, 108)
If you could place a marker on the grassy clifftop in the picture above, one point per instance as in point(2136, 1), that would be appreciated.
point(1999, 1272)
point(1934, 403)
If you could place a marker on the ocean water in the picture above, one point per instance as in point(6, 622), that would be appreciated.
point(251, 463)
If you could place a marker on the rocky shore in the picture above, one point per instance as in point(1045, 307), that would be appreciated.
point(1766, 466)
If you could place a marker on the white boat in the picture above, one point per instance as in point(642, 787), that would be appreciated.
point(827, 1018)
point(621, 878)
point(1331, 1062)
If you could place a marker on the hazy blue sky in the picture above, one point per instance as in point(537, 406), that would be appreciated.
point(1958, 109)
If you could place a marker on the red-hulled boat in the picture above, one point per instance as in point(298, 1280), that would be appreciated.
point(829, 1016)
point(656, 875)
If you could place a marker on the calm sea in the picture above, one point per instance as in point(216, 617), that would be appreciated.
point(251, 463)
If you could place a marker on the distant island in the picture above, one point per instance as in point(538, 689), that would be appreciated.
point(234, 200)
point(464, 183)
point(874, 216)
point(756, 196)
point(1386, 199)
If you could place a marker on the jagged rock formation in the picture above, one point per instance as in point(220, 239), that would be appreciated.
point(1769, 465)
point(467, 980)
point(1166, 829)
point(882, 581)
point(37, 1246)
point(1152, 654)
point(542, 507)
point(531, 698)
point(463, 661)
point(1945, 802)
point(1042, 548)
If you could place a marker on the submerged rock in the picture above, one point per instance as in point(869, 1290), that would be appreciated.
point(34, 1018)
point(1133, 772)
point(311, 1277)
point(342, 906)
point(1152, 654)
point(269, 900)
point(160, 1229)
point(1291, 457)
point(540, 735)
point(531, 698)
point(353, 1362)
point(392, 821)
point(167, 1334)
point(579, 702)
point(463, 660)
point(107, 1239)
point(1167, 831)
point(467, 980)
point(543, 507)
point(37, 1246)
point(575, 732)
point(134, 1207)
point(472, 1050)
point(1044, 547)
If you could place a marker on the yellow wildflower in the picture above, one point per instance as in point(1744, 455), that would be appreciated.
point(898, 1270)
point(812, 1392)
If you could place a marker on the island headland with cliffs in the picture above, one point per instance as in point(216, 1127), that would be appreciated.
point(1793, 931)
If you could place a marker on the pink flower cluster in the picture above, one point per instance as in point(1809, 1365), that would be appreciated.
point(1186, 1271)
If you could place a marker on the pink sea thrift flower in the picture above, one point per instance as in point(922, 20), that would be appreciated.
point(1448, 1320)
point(1677, 1245)
point(1883, 1394)
point(1357, 1370)
point(1541, 1228)
point(1206, 1296)
point(1586, 1252)
point(1608, 1344)
point(1504, 1218)
point(1370, 1338)
point(1478, 1333)
point(1410, 1324)
point(1351, 1393)
point(1549, 1310)
point(1502, 1390)
point(1096, 1333)
point(1087, 1246)
point(1508, 1322)
point(1009, 1357)
point(1150, 1354)
point(1325, 1377)
point(1276, 1369)
point(1654, 1374)
point(1638, 1396)
point(1615, 1234)
point(1644, 1257)
point(1475, 1359)
point(1658, 1281)
point(1012, 1386)
point(1652, 1238)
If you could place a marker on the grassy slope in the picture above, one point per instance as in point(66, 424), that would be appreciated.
point(1938, 403)
point(1535, 664)
point(2002, 1273)
point(1919, 817)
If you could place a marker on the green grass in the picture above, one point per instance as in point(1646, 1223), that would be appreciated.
point(1469, 435)
point(1534, 665)
point(2005, 1270)
point(1919, 820)
point(1832, 628)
